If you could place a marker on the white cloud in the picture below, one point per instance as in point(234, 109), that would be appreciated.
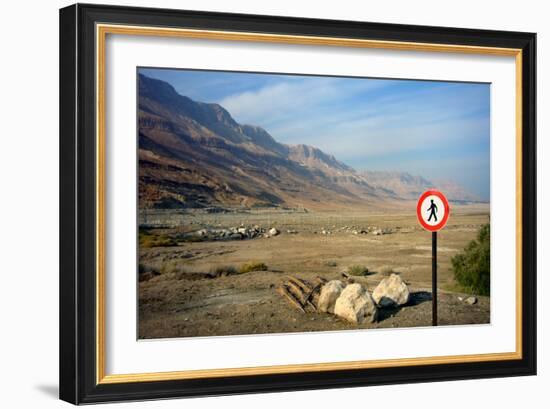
point(291, 100)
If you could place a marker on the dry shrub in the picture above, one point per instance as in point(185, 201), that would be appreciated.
point(148, 239)
point(252, 266)
point(358, 270)
point(226, 270)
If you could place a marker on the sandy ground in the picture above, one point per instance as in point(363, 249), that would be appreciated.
point(181, 301)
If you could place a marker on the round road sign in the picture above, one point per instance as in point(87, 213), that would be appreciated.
point(432, 210)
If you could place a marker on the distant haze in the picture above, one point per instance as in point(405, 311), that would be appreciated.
point(437, 130)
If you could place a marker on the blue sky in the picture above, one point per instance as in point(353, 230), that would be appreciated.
point(439, 130)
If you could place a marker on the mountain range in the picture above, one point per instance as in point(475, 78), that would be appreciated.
point(195, 155)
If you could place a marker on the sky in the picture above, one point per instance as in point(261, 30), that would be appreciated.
point(438, 130)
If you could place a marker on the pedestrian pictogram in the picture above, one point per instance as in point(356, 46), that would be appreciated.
point(433, 212)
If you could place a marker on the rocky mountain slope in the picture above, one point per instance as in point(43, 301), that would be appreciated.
point(195, 155)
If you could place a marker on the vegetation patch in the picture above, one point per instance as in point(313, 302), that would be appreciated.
point(149, 239)
point(358, 270)
point(220, 271)
point(472, 267)
point(252, 266)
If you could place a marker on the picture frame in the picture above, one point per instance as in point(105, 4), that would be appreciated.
point(83, 218)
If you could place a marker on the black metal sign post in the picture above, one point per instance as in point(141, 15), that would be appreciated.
point(434, 278)
point(433, 204)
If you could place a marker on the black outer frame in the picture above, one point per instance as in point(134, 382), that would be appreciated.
point(78, 197)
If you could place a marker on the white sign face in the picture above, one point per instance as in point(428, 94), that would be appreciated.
point(433, 210)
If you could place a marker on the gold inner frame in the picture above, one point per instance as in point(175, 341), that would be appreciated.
point(102, 30)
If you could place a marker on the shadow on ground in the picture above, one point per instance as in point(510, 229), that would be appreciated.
point(416, 298)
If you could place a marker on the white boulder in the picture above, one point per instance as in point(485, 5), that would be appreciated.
point(356, 305)
point(273, 232)
point(329, 294)
point(391, 292)
point(471, 300)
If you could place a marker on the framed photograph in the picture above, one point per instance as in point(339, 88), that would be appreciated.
point(257, 203)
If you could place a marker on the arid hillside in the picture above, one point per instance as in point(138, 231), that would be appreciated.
point(195, 155)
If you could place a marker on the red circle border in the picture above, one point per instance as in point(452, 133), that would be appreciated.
point(443, 222)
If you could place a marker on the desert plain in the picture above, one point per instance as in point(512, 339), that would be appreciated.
point(194, 287)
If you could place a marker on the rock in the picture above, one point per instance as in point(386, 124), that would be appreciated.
point(356, 305)
point(202, 233)
point(329, 294)
point(391, 291)
point(377, 232)
point(243, 231)
point(471, 300)
point(273, 232)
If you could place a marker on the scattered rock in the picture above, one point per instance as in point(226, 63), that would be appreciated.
point(329, 294)
point(201, 233)
point(273, 232)
point(379, 232)
point(356, 305)
point(391, 291)
point(471, 300)
point(347, 277)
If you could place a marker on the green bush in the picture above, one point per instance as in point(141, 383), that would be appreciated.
point(472, 266)
point(358, 270)
point(252, 266)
